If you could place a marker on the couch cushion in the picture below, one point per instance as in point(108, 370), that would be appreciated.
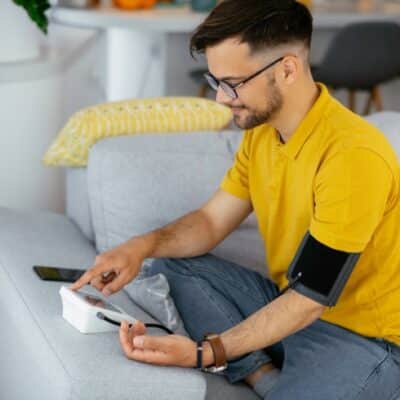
point(77, 200)
point(43, 357)
point(130, 117)
point(389, 124)
point(137, 184)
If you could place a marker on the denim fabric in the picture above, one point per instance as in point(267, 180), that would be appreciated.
point(322, 361)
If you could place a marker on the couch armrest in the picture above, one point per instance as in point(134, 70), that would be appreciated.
point(388, 122)
point(43, 357)
point(77, 200)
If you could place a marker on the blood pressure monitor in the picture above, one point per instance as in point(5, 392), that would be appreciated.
point(86, 312)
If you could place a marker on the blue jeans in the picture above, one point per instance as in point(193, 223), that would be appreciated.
point(321, 362)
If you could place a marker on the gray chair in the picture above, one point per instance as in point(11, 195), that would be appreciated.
point(360, 58)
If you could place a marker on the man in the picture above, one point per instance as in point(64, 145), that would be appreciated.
point(325, 187)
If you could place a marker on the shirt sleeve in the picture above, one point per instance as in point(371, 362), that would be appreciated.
point(351, 192)
point(236, 180)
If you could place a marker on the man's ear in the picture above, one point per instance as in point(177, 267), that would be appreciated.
point(289, 69)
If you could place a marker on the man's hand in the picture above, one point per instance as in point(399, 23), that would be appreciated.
point(113, 269)
point(159, 350)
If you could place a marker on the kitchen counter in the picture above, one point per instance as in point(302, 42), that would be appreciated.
point(148, 51)
point(183, 19)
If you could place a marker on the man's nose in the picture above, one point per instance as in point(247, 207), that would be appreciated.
point(222, 98)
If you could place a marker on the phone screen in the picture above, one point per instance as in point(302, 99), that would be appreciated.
point(48, 273)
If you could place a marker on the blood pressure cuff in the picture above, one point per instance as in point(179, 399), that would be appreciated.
point(320, 272)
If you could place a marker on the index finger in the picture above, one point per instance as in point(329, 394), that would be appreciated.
point(116, 284)
point(89, 275)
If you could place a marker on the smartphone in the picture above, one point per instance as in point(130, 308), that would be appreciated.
point(57, 274)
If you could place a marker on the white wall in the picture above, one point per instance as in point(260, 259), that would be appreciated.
point(30, 114)
point(35, 102)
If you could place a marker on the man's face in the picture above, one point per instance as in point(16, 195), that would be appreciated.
point(260, 99)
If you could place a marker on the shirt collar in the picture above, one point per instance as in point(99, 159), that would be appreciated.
point(293, 146)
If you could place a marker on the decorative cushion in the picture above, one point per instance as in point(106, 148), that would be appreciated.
point(165, 114)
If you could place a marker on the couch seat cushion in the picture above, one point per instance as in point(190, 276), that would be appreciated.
point(43, 357)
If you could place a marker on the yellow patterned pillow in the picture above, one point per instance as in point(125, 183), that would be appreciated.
point(164, 114)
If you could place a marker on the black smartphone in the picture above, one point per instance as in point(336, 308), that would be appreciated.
point(57, 274)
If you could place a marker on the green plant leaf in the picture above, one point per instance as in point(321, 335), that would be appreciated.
point(36, 9)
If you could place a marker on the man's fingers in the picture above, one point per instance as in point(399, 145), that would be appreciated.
point(97, 282)
point(140, 354)
point(102, 280)
point(156, 343)
point(90, 274)
point(138, 329)
point(153, 343)
point(124, 338)
point(148, 349)
point(127, 334)
point(116, 284)
point(108, 277)
point(149, 356)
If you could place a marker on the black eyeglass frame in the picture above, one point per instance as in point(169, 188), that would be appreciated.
point(216, 83)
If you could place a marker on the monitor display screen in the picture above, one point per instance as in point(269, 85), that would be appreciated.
point(97, 301)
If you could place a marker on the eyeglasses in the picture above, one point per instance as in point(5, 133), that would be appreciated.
point(231, 90)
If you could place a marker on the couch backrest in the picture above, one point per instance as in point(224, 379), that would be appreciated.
point(138, 183)
point(77, 195)
point(77, 200)
point(78, 206)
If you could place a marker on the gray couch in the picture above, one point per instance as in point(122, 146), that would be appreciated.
point(131, 185)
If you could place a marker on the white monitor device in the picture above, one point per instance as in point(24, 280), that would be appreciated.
point(80, 310)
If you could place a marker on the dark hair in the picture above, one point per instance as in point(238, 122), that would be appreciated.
point(260, 23)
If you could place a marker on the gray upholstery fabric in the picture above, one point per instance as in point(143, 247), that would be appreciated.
point(140, 183)
point(220, 389)
point(389, 124)
point(77, 200)
point(42, 356)
point(152, 294)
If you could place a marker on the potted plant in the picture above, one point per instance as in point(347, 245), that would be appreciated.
point(36, 9)
point(20, 39)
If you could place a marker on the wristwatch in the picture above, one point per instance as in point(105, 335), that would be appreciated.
point(218, 351)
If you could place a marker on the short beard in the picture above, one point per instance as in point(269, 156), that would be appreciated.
point(275, 102)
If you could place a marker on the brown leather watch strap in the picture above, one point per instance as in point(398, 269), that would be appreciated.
point(218, 350)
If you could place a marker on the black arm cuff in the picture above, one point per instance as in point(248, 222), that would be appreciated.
point(320, 272)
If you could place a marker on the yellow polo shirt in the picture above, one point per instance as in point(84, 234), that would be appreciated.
point(338, 178)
